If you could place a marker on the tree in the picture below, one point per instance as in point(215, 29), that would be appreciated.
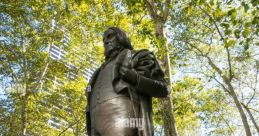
point(211, 44)
point(219, 37)
point(197, 107)
point(21, 48)
point(39, 87)
point(30, 30)
point(158, 12)
point(185, 96)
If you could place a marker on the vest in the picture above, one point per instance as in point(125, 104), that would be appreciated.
point(103, 89)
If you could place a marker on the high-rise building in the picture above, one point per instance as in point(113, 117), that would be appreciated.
point(58, 53)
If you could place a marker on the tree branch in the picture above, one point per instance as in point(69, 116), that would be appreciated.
point(44, 69)
point(214, 22)
point(151, 8)
point(166, 10)
point(222, 38)
point(251, 116)
point(222, 85)
point(229, 65)
point(69, 127)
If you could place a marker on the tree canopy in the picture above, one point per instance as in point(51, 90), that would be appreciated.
point(208, 50)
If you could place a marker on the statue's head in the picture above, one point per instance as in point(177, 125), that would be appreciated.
point(115, 39)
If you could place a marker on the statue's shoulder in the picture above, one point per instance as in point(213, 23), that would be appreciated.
point(142, 52)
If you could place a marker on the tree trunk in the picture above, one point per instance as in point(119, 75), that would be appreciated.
point(252, 117)
point(168, 117)
point(230, 90)
point(23, 116)
point(240, 109)
point(166, 103)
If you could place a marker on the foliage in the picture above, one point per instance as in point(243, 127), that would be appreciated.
point(197, 107)
point(221, 39)
point(29, 31)
point(36, 89)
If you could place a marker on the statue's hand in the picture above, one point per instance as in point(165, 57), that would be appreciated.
point(128, 74)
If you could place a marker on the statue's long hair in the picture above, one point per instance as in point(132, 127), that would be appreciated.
point(122, 37)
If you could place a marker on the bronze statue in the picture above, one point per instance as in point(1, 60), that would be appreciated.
point(120, 91)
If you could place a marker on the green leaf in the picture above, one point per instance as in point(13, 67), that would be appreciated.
point(225, 25)
point(246, 7)
point(233, 14)
point(218, 13)
point(229, 42)
point(228, 31)
point(246, 32)
point(212, 2)
point(237, 33)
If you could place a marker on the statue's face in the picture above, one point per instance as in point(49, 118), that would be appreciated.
point(110, 41)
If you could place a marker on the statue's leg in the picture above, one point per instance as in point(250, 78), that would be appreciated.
point(116, 117)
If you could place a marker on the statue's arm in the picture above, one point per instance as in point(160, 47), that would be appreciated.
point(151, 87)
point(155, 88)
